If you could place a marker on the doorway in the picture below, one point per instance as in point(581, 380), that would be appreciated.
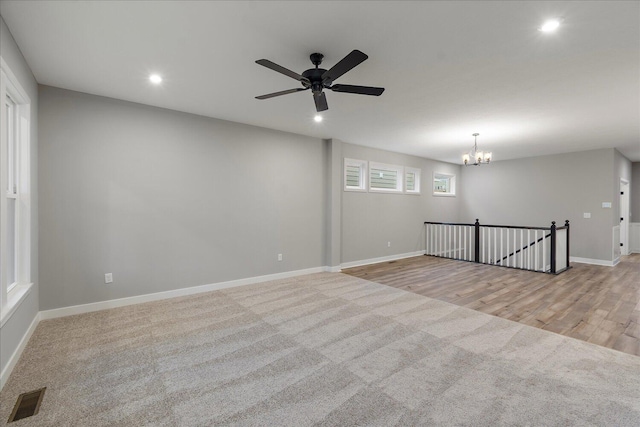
point(624, 217)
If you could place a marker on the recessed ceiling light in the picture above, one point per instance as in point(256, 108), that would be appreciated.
point(318, 118)
point(155, 79)
point(550, 26)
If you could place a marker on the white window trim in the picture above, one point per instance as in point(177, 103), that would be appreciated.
point(417, 173)
point(12, 294)
point(452, 185)
point(400, 171)
point(364, 174)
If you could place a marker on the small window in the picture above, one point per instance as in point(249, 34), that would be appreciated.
point(355, 172)
point(387, 178)
point(412, 180)
point(444, 184)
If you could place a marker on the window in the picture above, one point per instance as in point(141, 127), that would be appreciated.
point(412, 180)
point(444, 184)
point(15, 199)
point(11, 166)
point(355, 172)
point(381, 177)
point(387, 178)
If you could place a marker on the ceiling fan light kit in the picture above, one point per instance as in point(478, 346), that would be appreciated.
point(317, 79)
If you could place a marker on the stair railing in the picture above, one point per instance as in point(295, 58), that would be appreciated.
point(541, 249)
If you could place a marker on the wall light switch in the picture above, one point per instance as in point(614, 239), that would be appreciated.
point(279, 257)
point(108, 278)
point(606, 204)
point(586, 215)
point(388, 244)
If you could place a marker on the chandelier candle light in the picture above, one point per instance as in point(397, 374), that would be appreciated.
point(478, 156)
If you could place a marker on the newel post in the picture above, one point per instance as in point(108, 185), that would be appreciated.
point(566, 223)
point(553, 247)
point(477, 242)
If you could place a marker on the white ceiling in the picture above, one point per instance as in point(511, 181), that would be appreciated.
point(449, 68)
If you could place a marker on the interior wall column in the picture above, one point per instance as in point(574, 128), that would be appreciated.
point(334, 204)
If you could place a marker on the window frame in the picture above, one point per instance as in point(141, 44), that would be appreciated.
point(399, 173)
point(417, 175)
point(452, 184)
point(12, 146)
point(362, 164)
point(15, 184)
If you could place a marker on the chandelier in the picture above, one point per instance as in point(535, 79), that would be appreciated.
point(478, 157)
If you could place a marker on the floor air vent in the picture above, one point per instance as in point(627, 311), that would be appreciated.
point(27, 405)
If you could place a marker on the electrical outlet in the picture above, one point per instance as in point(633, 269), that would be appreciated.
point(108, 278)
point(586, 215)
point(279, 257)
point(388, 244)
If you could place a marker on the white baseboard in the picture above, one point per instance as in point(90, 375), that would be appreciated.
point(334, 269)
point(603, 262)
point(138, 299)
point(6, 372)
point(380, 259)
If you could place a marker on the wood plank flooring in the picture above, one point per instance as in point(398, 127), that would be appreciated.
point(600, 305)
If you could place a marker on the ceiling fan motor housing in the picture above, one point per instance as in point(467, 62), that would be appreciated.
point(315, 77)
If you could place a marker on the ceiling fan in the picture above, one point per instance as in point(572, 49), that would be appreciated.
point(318, 79)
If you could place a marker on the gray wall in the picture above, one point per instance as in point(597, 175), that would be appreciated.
point(13, 330)
point(167, 200)
point(538, 190)
point(635, 192)
point(370, 220)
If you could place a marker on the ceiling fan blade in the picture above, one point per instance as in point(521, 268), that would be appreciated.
point(321, 101)
point(282, 70)
point(284, 92)
point(347, 63)
point(360, 90)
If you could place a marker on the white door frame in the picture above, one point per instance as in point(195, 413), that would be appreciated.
point(624, 216)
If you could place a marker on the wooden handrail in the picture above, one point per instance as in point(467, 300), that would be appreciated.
point(526, 247)
point(495, 226)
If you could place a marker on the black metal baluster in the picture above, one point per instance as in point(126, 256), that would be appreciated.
point(477, 242)
point(566, 223)
point(553, 247)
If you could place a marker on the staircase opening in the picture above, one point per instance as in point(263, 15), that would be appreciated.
point(541, 249)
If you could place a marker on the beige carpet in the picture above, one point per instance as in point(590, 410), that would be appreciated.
point(324, 349)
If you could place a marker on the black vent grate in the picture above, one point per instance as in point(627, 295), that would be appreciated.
point(27, 405)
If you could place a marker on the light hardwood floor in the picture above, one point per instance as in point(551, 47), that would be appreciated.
point(600, 305)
